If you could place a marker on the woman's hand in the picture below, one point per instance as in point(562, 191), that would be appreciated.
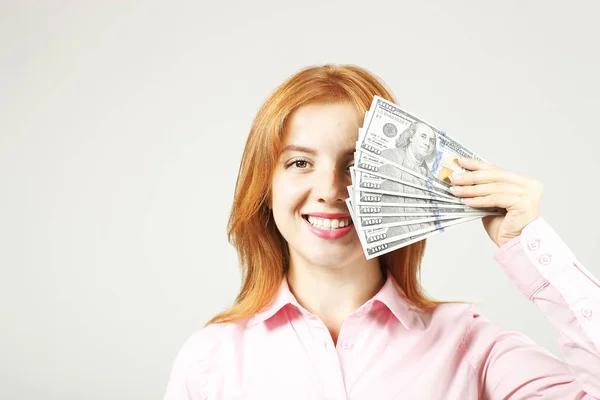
point(488, 186)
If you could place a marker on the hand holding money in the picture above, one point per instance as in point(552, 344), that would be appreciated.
point(489, 186)
point(402, 192)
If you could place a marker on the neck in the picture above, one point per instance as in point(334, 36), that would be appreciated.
point(333, 293)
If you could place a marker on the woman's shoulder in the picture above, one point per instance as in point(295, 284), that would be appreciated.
point(467, 321)
point(205, 338)
point(204, 347)
point(205, 343)
point(452, 310)
point(198, 359)
point(463, 316)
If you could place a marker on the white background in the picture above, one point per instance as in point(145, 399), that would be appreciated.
point(122, 126)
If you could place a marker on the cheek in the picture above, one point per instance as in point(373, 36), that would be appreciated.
point(287, 194)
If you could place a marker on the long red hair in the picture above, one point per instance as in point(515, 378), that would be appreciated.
point(262, 251)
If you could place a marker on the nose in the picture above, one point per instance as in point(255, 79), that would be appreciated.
point(330, 186)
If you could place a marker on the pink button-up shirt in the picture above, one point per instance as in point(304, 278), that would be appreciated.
point(388, 349)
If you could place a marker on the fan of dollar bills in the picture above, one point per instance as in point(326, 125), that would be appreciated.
point(400, 181)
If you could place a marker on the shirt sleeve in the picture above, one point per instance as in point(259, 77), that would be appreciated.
point(508, 365)
point(190, 377)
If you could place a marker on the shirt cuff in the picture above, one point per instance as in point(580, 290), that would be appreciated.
point(527, 259)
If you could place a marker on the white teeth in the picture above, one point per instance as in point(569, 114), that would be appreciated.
point(325, 223)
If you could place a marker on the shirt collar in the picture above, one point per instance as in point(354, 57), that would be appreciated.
point(283, 298)
point(391, 295)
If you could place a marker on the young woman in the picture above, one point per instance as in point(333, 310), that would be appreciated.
point(315, 320)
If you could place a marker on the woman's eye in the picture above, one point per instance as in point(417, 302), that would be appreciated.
point(301, 164)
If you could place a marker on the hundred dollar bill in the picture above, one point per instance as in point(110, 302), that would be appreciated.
point(377, 195)
point(371, 224)
point(422, 198)
point(398, 244)
point(371, 217)
point(412, 220)
point(361, 234)
point(411, 145)
point(363, 240)
point(382, 249)
point(351, 193)
point(373, 198)
point(385, 211)
point(381, 167)
point(374, 162)
point(364, 179)
point(381, 236)
point(370, 208)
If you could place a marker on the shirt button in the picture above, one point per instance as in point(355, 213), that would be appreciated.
point(587, 313)
point(346, 344)
point(534, 245)
point(545, 259)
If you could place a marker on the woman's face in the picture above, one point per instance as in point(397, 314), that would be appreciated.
point(309, 184)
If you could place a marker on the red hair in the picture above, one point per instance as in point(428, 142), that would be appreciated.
point(262, 251)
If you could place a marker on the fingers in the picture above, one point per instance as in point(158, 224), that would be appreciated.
point(486, 189)
point(481, 173)
point(473, 164)
point(490, 201)
point(488, 186)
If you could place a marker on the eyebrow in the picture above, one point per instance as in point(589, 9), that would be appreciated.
point(301, 149)
point(308, 150)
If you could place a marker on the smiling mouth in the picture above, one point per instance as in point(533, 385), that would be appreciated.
point(328, 223)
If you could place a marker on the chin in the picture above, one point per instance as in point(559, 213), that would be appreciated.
point(332, 258)
point(325, 261)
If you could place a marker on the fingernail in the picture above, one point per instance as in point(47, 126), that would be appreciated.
point(456, 189)
point(455, 176)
